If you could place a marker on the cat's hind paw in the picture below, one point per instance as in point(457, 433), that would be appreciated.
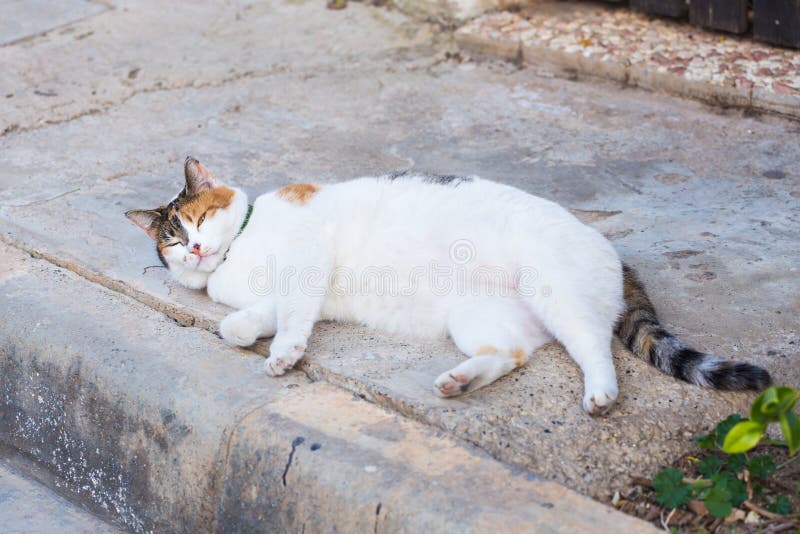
point(450, 385)
point(599, 401)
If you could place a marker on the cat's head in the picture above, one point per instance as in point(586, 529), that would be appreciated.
point(192, 233)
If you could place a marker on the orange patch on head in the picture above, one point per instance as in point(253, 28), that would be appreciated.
point(298, 193)
point(207, 202)
point(485, 350)
point(519, 357)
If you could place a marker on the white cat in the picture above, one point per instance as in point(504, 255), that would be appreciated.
point(498, 270)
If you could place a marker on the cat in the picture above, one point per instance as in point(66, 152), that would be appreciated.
point(500, 271)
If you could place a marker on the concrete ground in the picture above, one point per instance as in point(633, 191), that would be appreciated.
point(99, 112)
point(29, 507)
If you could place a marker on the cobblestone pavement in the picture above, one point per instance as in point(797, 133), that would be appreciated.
point(630, 46)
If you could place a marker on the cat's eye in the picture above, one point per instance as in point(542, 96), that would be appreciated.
point(200, 220)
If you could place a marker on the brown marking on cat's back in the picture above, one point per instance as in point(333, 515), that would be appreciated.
point(208, 201)
point(519, 357)
point(297, 193)
point(485, 350)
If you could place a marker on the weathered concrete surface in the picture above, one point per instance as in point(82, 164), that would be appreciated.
point(27, 506)
point(168, 429)
point(709, 202)
point(144, 46)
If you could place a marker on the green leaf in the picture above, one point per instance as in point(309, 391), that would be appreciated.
point(735, 487)
point(743, 437)
point(718, 501)
point(762, 466)
point(738, 490)
point(787, 398)
point(709, 465)
point(790, 424)
point(707, 442)
point(764, 408)
point(736, 463)
point(670, 489)
point(724, 427)
point(782, 506)
point(772, 403)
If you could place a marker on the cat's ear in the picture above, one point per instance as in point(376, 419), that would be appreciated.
point(198, 178)
point(147, 220)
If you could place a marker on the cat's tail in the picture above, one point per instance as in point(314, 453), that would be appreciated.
point(640, 331)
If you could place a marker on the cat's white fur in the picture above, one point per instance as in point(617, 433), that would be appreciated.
point(562, 278)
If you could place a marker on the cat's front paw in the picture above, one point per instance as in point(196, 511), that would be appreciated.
point(240, 328)
point(283, 355)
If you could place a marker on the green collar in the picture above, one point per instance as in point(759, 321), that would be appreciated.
point(246, 219)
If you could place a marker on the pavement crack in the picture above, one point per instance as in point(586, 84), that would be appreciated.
point(144, 271)
point(158, 87)
point(15, 128)
point(296, 442)
point(631, 187)
point(46, 200)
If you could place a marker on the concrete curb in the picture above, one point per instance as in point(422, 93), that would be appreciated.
point(634, 75)
point(168, 429)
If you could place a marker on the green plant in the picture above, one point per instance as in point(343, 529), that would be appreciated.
point(729, 477)
point(773, 406)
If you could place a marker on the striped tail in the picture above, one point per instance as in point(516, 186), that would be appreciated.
point(640, 331)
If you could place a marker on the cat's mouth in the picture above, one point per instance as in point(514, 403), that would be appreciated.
point(207, 262)
point(206, 257)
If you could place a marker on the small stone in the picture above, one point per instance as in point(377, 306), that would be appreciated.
point(735, 515)
point(752, 518)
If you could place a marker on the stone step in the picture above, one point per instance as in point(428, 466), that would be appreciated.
point(166, 428)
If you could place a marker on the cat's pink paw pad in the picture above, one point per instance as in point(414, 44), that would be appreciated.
point(449, 385)
point(277, 366)
point(600, 402)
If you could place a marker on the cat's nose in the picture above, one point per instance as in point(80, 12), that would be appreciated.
point(196, 249)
